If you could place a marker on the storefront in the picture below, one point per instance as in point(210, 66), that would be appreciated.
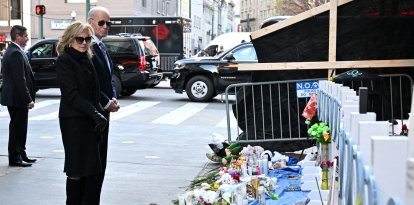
point(4, 38)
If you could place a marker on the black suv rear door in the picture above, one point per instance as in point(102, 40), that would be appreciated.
point(228, 71)
point(43, 57)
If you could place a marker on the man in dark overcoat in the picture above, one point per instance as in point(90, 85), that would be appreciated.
point(98, 18)
point(18, 94)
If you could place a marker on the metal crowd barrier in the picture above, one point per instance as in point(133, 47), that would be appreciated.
point(266, 112)
point(256, 102)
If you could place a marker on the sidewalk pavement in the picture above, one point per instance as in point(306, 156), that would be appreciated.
point(44, 183)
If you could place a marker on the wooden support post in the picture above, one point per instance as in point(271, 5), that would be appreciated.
point(365, 64)
point(332, 36)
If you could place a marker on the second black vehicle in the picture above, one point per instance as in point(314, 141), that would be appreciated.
point(135, 58)
point(204, 78)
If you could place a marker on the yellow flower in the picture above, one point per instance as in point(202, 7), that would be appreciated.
point(215, 186)
point(326, 136)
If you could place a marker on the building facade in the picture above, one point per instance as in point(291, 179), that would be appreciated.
point(13, 12)
point(209, 18)
point(59, 13)
point(254, 12)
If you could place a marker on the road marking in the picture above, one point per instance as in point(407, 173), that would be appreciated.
point(180, 114)
point(151, 157)
point(38, 105)
point(45, 103)
point(223, 122)
point(47, 137)
point(49, 116)
point(128, 142)
point(131, 109)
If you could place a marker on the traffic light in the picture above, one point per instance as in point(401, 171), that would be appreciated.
point(40, 9)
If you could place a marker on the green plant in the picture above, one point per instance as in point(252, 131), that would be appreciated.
point(320, 132)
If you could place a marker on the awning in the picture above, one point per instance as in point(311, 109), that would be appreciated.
point(5, 30)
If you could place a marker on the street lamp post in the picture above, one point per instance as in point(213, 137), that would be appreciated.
point(73, 15)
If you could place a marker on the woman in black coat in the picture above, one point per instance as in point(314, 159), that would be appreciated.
point(79, 114)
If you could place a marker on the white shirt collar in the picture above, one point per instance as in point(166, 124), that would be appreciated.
point(18, 46)
point(96, 39)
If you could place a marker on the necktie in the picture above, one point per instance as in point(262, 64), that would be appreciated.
point(102, 46)
point(103, 49)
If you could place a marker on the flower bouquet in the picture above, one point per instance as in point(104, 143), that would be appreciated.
point(320, 132)
point(325, 165)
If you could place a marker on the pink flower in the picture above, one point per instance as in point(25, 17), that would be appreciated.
point(325, 165)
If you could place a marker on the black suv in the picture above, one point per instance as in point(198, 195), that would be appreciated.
point(135, 61)
point(206, 77)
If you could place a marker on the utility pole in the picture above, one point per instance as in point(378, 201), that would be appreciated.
point(9, 7)
point(88, 7)
point(189, 10)
point(40, 23)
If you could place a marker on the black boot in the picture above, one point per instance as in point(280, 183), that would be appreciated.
point(91, 193)
point(74, 191)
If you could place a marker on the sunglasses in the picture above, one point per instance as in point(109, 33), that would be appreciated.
point(80, 39)
point(102, 22)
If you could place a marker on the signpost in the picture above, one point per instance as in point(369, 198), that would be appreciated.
point(306, 89)
point(40, 10)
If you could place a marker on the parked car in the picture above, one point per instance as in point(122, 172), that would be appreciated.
point(134, 57)
point(273, 20)
point(226, 40)
point(204, 78)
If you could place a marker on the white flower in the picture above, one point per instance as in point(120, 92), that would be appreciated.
point(205, 186)
point(209, 196)
point(197, 193)
point(225, 179)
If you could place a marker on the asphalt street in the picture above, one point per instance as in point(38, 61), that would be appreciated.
point(157, 145)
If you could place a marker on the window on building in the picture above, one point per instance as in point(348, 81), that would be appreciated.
point(163, 7)
point(167, 8)
point(4, 14)
point(15, 10)
point(158, 6)
point(144, 3)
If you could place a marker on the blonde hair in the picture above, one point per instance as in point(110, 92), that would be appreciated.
point(72, 31)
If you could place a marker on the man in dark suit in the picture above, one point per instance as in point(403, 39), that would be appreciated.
point(98, 18)
point(18, 94)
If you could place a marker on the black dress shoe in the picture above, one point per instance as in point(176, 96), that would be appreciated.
point(19, 164)
point(26, 159)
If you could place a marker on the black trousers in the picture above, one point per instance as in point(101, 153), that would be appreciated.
point(17, 132)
